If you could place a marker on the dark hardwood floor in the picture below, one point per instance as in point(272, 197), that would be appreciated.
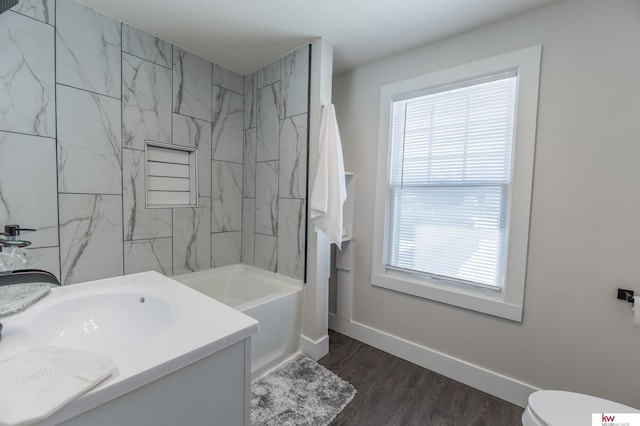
point(392, 391)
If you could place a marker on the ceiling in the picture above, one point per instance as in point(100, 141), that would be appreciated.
point(244, 35)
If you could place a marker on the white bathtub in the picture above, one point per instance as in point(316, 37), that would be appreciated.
point(275, 301)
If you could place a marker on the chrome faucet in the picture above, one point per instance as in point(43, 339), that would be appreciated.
point(12, 234)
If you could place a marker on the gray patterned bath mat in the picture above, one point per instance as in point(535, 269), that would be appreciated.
point(300, 392)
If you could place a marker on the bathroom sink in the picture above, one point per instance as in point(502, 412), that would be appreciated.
point(101, 322)
point(150, 325)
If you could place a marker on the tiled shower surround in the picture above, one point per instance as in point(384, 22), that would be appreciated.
point(80, 93)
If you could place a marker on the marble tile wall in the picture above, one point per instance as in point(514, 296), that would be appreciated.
point(80, 95)
point(276, 99)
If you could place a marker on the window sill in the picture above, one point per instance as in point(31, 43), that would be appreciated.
point(485, 301)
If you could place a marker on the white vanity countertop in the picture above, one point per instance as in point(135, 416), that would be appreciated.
point(175, 328)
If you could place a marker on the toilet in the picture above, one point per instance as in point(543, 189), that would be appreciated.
point(561, 408)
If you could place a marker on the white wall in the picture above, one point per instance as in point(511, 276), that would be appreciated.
point(315, 339)
point(585, 223)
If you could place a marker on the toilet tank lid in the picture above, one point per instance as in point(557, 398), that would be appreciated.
point(570, 408)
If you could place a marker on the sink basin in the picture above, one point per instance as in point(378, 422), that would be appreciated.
point(150, 325)
point(101, 322)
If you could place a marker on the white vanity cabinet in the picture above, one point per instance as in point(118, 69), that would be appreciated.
point(181, 358)
point(210, 392)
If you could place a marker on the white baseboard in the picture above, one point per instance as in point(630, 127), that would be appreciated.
point(496, 384)
point(314, 349)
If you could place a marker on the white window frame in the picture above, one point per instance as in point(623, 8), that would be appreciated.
point(507, 302)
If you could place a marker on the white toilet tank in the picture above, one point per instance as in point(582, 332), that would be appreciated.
point(560, 408)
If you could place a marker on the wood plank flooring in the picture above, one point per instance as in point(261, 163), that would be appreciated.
point(392, 391)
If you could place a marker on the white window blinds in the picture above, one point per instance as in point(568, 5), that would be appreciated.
point(450, 181)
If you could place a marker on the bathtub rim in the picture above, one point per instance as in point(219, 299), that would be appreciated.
point(286, 285)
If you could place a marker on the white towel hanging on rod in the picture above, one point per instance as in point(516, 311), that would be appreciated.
point(329, 190)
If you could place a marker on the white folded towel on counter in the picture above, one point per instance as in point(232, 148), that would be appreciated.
point(37, 383)
point(329, 190)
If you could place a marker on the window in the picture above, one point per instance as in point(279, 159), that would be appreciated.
point(170, 176)
point(456, 155)
point(450, 177)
